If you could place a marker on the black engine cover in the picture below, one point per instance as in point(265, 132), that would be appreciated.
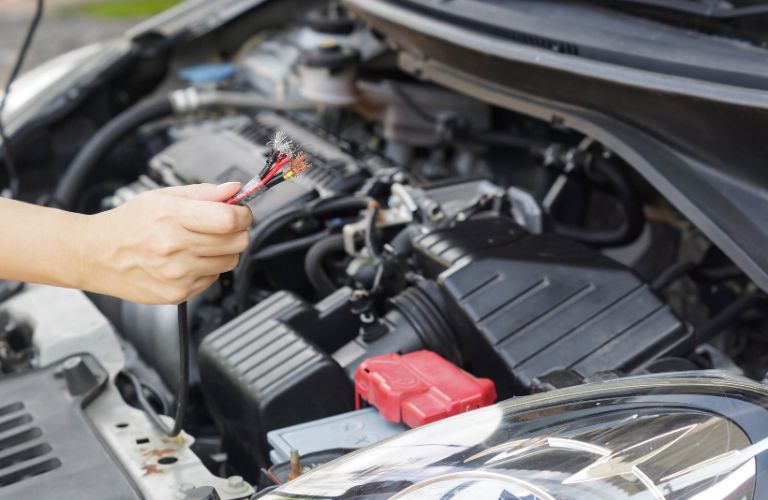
point(530, 306)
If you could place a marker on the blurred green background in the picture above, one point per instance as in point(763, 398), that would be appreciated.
point(67, 25)
point(119, 8)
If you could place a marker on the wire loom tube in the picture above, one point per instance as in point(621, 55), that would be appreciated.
point(634, 222)
point(178, 102)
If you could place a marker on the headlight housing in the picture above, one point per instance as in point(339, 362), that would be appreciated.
point(685, 436)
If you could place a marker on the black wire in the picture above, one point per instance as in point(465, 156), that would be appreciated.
point(8, 161)
point(183, 390)
point(274, 182)
point(181, 404)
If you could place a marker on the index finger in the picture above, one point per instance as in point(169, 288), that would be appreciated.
point(212, 217)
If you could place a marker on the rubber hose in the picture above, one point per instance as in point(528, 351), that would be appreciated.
point(402, 243)
point(728, 316)
point(289, 246)
point(634, 221)
point(313, 263)
point(71, 183)
point(671, 274)
point(277, 221)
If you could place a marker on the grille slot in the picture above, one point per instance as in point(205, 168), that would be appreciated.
point(30, 471)
point(9, 424)
point(11, 408)
point(22, 455)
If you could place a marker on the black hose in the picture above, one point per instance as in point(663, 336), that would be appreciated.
point(402, 243)
point(274, 223)
point(313, 263)
point(630, 229)
point(108, 136)
point(289, 246)
point(728, 315)
point(671, 274)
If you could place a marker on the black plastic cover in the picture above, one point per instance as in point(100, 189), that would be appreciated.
point(440, 249)
point(48, 448)
point(259, 374)
point(543, 303)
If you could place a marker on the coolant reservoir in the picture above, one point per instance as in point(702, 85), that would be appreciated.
point(328, 74)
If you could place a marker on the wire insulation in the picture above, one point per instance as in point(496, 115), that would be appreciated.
point(250, 191)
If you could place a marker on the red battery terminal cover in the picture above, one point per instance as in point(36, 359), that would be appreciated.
point(419, 388)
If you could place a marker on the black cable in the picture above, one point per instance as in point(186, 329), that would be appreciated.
point(8, 160)
point(634, 217)
point(728, 315)
point(140, 389)
point(183, 395)
point(274, 182)
point(71, 183)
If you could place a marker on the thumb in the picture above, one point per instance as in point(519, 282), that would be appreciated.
point(205, 192)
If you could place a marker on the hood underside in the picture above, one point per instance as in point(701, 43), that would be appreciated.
point(695, 132)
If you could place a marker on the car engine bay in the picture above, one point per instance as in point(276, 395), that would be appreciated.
point(520, 251)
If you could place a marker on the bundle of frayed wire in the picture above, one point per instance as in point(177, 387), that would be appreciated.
point(283, 157)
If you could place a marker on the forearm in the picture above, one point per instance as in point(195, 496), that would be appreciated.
point(42, 245)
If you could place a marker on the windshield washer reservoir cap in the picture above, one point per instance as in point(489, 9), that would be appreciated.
point(206, 74)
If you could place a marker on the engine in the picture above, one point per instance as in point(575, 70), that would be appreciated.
point(519, 252)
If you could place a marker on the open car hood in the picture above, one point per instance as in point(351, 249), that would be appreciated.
point(685, 110)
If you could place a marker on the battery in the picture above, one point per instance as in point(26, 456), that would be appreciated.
point(419, 388)
point(351, 430)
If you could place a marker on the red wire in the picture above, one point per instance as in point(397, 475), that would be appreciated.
point(281, 162)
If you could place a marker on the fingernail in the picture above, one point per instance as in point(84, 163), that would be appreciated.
point(228, 185)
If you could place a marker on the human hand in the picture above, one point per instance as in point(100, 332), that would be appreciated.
point(164, 246)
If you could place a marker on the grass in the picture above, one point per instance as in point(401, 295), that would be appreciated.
point(119, 9)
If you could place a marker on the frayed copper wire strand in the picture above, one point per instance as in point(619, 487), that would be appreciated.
point(299, 165)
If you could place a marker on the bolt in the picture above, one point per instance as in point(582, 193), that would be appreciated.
point(236, 483)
